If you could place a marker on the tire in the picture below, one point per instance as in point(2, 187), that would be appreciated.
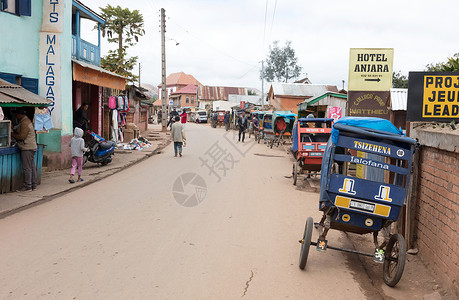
point(85, 159)
point(295, 172)
point(393, 270)
point(271, 143)
point(306, 242)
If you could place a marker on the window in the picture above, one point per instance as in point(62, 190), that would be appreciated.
point(192, 99)
point(17, 7)
point(187, 99)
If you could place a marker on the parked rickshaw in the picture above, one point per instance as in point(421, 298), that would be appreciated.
point(267, 129)
point(310, 137)
point(360, 205)
point(260, 117)
point(252, 129)
point(283, 122)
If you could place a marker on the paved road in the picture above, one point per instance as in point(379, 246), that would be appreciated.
point(128, 237)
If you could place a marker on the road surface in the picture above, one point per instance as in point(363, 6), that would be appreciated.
point(141, 234)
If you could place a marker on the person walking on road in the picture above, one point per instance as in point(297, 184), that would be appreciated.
point(24, 134)
point(178, 136)
point(173, 114)
point(183, 116)
point(77, 148)
point(160, 116)
point(226, 120)
point(242, 122)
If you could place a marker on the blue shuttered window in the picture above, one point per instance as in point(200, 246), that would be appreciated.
point(30, 84)
point(24, 8)
point(20, 7)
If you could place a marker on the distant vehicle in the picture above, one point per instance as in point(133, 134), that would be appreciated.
point(200, 116)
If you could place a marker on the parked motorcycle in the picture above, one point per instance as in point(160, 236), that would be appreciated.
point(99, 150)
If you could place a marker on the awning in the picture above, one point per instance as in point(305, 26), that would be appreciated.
point(92, 74)
point(12, 95)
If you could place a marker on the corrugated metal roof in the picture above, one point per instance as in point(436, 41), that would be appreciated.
point(15, 94)
point(219, 92)
point(300, 89)
point(398, 99)
point(99, 69)
point(189, 89)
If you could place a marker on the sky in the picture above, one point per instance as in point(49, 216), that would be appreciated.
point(222, 42)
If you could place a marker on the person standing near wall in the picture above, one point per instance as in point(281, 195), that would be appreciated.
point(80, 118)
point(25, 136)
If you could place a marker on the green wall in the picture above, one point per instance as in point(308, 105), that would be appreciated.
point(20, 55)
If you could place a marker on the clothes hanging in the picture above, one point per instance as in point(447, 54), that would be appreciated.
point(42, 119)
point(115, 131)
point(112, 102)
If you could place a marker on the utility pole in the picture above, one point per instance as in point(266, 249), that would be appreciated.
point(139, 73)
point(163, 67)
point(262, 87)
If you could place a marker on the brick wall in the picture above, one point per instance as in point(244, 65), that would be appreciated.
point(437, 213)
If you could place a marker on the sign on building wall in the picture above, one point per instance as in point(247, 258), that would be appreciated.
point(370, 80)
point(335, 112)
point(53, 13)
point(369, 104)
point(433, 96)
point(50, 57)
point(49, 81)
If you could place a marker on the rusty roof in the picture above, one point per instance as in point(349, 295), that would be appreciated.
point(189, 89)
point(15, 95)
point(219, 92)
point(180, 78)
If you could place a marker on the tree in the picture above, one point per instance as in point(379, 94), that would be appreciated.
point(452, 65)
point(399, 80)
point(251, 93)
point(281, 63)
point(124, 28)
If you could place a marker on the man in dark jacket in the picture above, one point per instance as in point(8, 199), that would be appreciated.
point(80, 118)
point(226, 120)
point(242, 122)
point(24, 134)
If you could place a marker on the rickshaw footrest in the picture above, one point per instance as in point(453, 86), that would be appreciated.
point(345, 250)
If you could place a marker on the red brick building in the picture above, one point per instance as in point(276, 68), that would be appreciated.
point(185, 97)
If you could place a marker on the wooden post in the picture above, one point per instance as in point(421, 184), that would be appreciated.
point(411, 201)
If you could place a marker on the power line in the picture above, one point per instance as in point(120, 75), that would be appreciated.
point(272, 21)
point(264, 29)
point(208, 44)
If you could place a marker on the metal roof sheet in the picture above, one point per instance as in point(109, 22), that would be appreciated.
point(99, 69)
point(300, 89)
point(15, 94)
point(398, 99)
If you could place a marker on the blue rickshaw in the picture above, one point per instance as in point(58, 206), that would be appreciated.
point(370, 200)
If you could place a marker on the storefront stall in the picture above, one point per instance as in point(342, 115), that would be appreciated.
point(13, 97)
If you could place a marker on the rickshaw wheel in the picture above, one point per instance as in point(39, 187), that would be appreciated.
point(271, 143)
point(295, 172)
point(394, 262)
point(306, 242)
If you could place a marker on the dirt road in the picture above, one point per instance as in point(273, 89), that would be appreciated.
point(171, 228)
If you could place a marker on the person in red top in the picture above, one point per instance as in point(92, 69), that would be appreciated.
point(183, 118)
point(280, 125)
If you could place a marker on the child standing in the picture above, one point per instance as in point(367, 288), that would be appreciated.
point(77, 148)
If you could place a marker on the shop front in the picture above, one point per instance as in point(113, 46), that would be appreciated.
point(13, 97)
point(89, 82)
